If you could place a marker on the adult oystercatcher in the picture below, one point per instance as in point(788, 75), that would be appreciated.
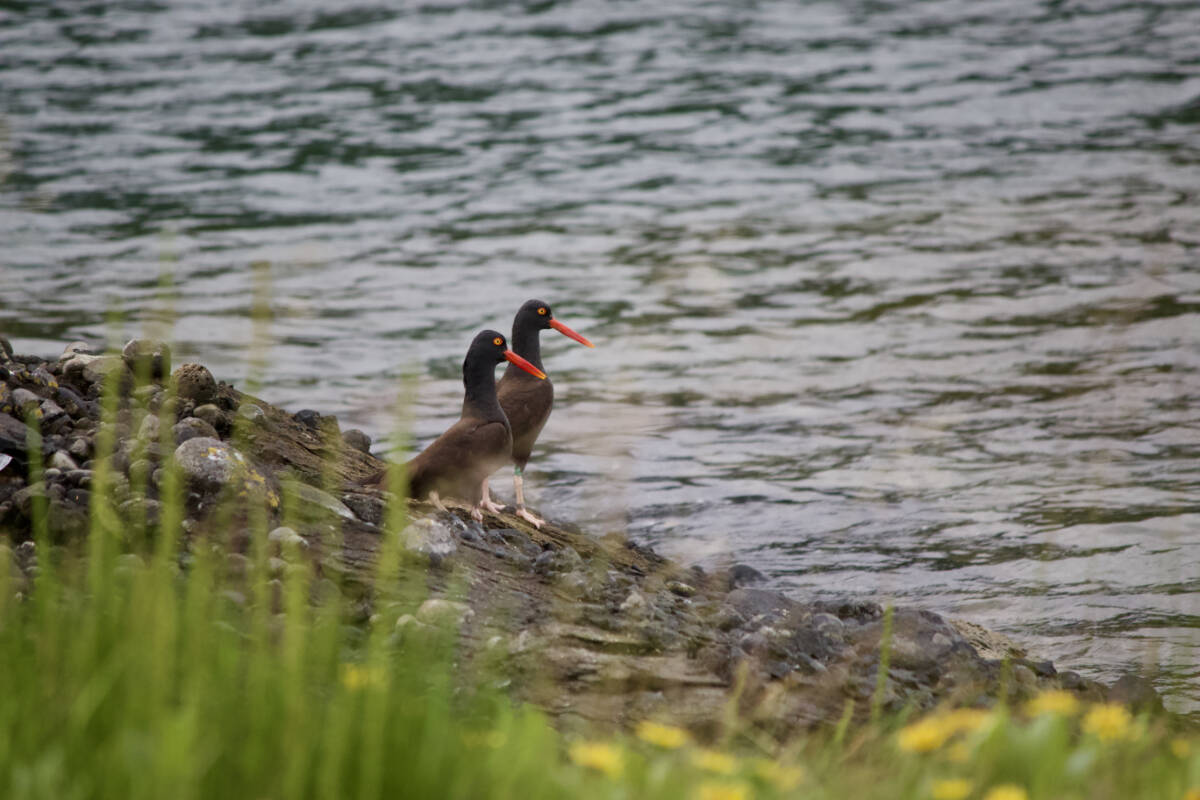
point(527, 401)
point(457, 463)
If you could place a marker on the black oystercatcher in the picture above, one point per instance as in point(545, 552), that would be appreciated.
point(527, 401)
point(458, 462)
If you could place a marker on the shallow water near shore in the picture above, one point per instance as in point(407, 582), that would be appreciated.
point(890, 300)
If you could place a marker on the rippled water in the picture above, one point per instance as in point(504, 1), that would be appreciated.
point(893, 299)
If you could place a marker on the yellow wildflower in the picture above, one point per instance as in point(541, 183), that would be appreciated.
point(357, 676)
point(1006, 791)
point(966, 719)
point(600, 756)
point(710, 790)
point(782, 776)
point(924, 736)
point(1192, 794)
point(950, 789)
point(666, 736)
point(1055, 701)
point(1109, 722)
point(959, 753)
point(715, 761)
point(1181, 748)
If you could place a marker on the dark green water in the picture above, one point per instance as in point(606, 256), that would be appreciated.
point(891, 299)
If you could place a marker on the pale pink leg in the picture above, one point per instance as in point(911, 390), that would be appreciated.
point(486, 503)
point(519, 487)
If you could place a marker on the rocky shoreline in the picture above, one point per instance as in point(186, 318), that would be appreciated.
point(589, 628)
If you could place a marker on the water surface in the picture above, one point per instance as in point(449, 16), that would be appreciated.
point(892, 299)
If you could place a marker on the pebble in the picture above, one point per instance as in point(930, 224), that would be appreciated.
point(286, 536)
point(437, 611)
point(209, 413)
point(308, 418)
point(27, 402)
point(317, 498)
point(151, 356)
point(635, 604)
point(194, 382)
point(80, 447)
point(75, 349)
point(52, 411)
point(63, 461)
point(251, 412)
point(356, 439)
point(429, 537)
point(192, 427)
point(80, 477)
point(148, 430)
point(680, 588)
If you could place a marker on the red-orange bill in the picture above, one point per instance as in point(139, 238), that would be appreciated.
point(565, 331)
point(523, 364)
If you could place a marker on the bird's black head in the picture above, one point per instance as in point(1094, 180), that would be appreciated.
point(490, 347)
point(535, 313)
point(489, 344)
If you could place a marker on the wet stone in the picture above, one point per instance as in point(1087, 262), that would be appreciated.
point(357, 439)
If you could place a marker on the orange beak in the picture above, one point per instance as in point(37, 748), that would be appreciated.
point(565, 331)
point(523, 364)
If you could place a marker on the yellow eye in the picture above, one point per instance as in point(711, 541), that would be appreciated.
point(542, 311)
point(498, 341)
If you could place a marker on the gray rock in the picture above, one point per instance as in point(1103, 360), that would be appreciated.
point(366, 507)
point(207, 412)
point(437, 611)
point(52, 411)
point(27, 402)
point(251, 412)
point(6, 350)
point(61, 460)
point(429, 537)
point(148, 357)
point(315, 498)
point(193, 427)
point(80, 477)
point(98, 370)
point(75, 349)
point(744, 575)
point(357, 439)
point(149, 429)
point(194, 382)
point(5, 460)
point(287, 537)
point(635, 604)
point(680, 588)
point(211, 465)
point(308, 418)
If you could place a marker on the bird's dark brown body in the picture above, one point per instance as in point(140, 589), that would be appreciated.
point(457, 463)
point(527, 404)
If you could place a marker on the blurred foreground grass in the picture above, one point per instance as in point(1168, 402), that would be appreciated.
point(136, 664)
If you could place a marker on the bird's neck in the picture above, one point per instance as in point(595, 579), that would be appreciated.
point(527, 343)
point(479, 400)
